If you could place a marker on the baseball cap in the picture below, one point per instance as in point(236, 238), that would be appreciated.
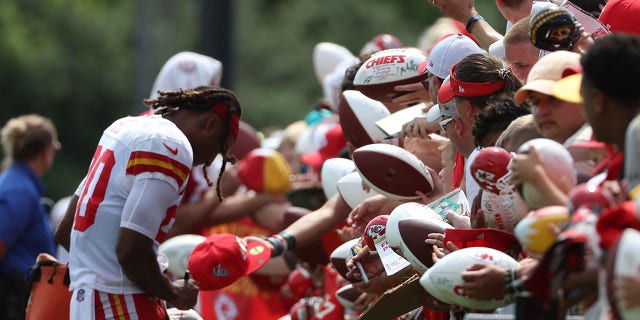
point(546, 72)
point(265, 170)
point(568, 88)
point(447, 108)
point(186, 70)
point(621, 16)
point(455, 87)
point(448, 51)
point(332, 143)
point(223, 258)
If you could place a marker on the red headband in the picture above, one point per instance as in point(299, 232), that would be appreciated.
point(473, 89)
point(221, 110)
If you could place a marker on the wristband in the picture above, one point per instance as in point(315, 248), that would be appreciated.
point(472, 21)
point(278, 249)
point(290, 239)
point(282, 240)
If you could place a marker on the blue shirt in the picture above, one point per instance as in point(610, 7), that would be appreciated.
point(24, 224)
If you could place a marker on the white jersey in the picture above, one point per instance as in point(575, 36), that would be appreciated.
point(131, 150)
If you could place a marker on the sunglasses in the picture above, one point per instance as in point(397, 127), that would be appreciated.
point(444, 122)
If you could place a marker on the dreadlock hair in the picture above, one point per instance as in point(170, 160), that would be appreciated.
point(201, 99)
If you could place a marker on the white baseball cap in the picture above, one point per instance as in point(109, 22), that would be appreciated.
point(448, 51)
point(442, 109)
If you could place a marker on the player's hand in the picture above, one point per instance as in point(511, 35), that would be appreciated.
point(627, 290)
point(364, 301)
point(371, 264)
point(186, 294)
point(526, 167)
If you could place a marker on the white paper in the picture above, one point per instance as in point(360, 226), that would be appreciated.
point(391, 261)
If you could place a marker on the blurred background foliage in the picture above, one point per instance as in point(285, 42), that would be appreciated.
point(86, 63)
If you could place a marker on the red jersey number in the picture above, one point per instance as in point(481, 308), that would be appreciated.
point(94, 189)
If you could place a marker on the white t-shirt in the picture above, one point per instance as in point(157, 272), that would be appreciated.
point(136, 180)
point(472, 188)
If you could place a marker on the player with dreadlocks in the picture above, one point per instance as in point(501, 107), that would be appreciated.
point(127, 202)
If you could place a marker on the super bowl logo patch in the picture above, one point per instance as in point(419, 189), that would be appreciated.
point(80, 295)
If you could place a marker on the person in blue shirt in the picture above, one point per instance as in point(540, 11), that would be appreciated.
point(29, 143)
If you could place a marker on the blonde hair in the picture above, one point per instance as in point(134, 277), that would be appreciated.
point(521, 130)
point(24, 137)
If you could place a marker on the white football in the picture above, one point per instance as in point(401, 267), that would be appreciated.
point(341, 255)
point(443, 280)
point(386, 69)
point(624, 261)
point(404, 211)
point(332, 171)
point(502, 211)
point(392, 171)
point(178, 249)
point(348, 295)
point(351, 191)
point(413, 233)
point(358, 116)
point(326, 56)
point(557, 163)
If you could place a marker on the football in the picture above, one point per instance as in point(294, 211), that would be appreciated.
point(348, 295)
point(413, 233)
point(378, 76)
point(332, 170)
point(533, 230)
point(392, 171)
point(351, 191)
point(341, 255)
point(557, 163)
point(375, 231)
point(623, 261)
point(178, 249)
point(326, 56)
point(407, 210)
point(489, 169)
point(443, 280)
point(503, 211)
point(358, 115)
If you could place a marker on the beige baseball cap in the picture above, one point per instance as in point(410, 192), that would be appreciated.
point(546, 72)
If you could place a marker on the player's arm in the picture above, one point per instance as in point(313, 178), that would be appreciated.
point(142, 218)
point(463, 11)
point(313, 225)
point(63, 232)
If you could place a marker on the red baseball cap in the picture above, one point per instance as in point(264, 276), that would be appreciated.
point(334, 142)
point(621, 16)
point(223, 258)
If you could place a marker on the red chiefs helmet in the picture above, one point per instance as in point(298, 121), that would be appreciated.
point(381, 42)
point(489, 169)
point(591, 197)
point(299, 283)
point(376, 228)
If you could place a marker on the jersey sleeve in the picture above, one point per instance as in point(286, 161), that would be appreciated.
point(168, 160)
point(147, 207)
